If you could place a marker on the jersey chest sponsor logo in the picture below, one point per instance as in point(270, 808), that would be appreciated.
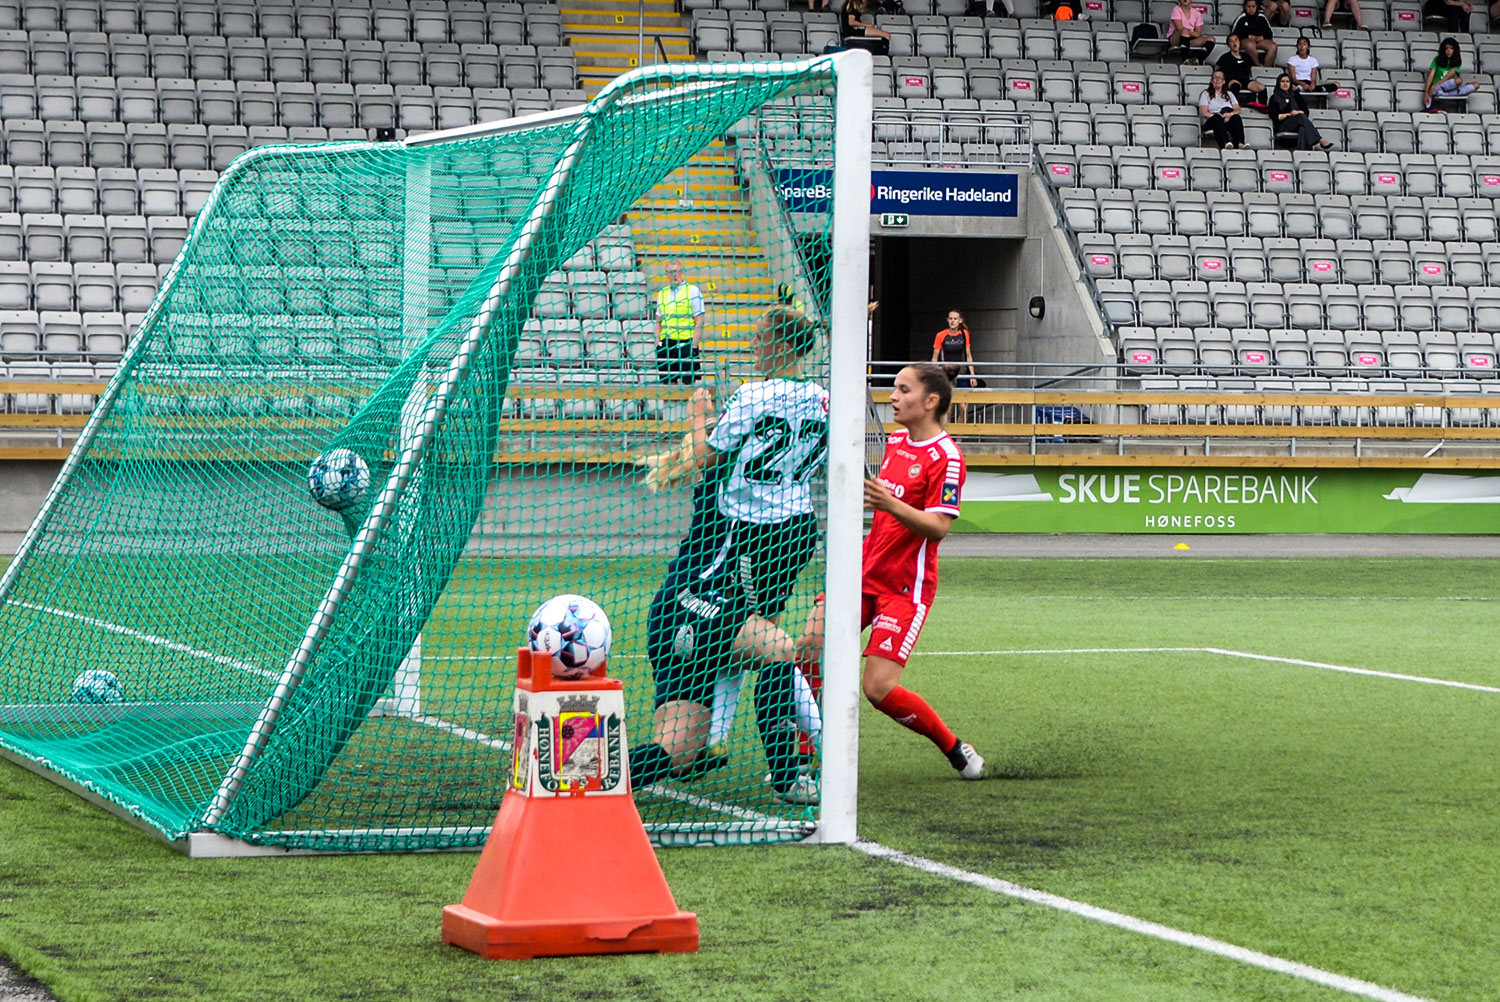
point(897, 490)
point(697, 606)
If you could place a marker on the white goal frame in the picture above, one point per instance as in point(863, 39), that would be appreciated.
point(848, 330)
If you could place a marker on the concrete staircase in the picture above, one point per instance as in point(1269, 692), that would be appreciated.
point(612, 36)
point(698, 215)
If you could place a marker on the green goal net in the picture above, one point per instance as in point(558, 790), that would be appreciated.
point(468, 345)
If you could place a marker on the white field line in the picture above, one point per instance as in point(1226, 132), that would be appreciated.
point(426, 719)
point(743, 813)
point(1127, 922)
point(150, 638)
point(1063, 650)
point(466, 733)
point(1423, 679)
point(1130, 923)
point(666, 793)
point(1200, 597)
point(457, 730)
point(1222, 652)
point(511, 658)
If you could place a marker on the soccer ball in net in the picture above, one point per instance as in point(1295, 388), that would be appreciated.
point(574, 631)
point(338, 479)
point(98, 686)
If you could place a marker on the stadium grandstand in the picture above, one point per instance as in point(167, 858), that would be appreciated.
point(1352, 290)
point(1154, 295)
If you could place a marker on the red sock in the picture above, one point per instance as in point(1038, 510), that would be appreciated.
point(813, 673)
point(910, 710)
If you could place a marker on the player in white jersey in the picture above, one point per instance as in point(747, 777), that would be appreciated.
point(716, 614)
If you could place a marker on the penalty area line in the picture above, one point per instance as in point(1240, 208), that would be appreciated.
point(150, 638)
point(1051, 596)
point(1347, 669)
point(1063, 650)
point(708, 803)
point(424, 719)
point(1224, 652)
point(1144, 927)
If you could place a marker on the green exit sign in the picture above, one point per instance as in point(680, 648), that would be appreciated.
point(894, 219)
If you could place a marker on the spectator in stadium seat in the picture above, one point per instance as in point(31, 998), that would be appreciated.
point(1235, 66)
point(1352, 6)
point(1288, 113)
point(1221, 113)
point(1186, 28)
point(1255, 34)
point(679, 327)
point(1278, 12)
point(1303, 68)
point(851, 27)
point(953, 347)
point(1455, 13)
point(1443, 76)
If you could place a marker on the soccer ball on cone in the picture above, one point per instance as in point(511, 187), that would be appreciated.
point(338, 479)
point(98, 686)
point(574, 631)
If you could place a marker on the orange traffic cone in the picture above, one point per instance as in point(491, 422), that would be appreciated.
point(568, 868)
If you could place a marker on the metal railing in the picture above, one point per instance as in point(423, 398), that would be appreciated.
point(954, 137)
point(1085, 279)
point(1021, 409)
point(1104, 410)
point(948, 138)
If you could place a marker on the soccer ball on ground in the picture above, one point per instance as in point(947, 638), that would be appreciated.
point(98, 686)
point(574, 631)
point(338, 479)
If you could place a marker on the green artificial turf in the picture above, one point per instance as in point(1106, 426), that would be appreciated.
point(1340, 820)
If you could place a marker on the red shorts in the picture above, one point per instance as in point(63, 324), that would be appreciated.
point(895, 623)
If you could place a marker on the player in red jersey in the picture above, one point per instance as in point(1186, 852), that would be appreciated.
point(915, 499)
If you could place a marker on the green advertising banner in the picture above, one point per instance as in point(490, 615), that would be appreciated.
point(1154, 499)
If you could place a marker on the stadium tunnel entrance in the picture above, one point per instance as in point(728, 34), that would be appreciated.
point(918, 275)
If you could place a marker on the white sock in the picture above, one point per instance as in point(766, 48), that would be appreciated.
point(809, 719)
point(725, 705)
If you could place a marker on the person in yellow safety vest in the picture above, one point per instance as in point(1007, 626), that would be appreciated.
point(787, 296)
point(679, 327)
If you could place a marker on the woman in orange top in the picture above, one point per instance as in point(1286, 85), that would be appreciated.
point(951, 347)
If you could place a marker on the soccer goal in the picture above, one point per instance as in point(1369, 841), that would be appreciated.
point(458, 334)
